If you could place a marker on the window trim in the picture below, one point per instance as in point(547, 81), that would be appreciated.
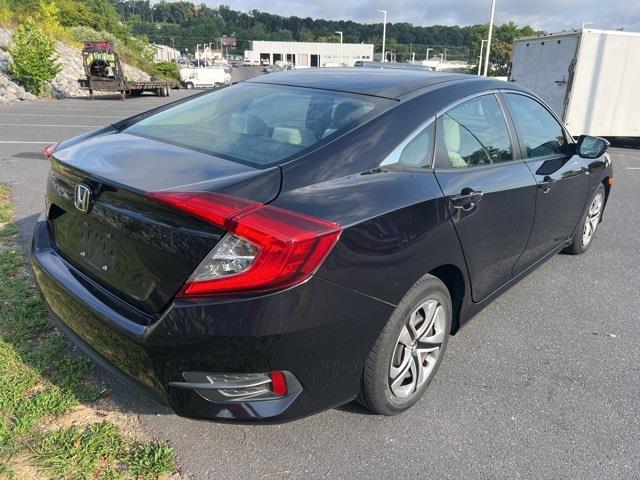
point(515, 141)
point(523, 155)
point(397, 151)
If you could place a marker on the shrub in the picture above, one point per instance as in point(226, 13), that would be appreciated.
point(168, 69)
point(32, 58)
point(5, 12)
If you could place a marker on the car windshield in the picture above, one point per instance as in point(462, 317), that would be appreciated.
point(260, 125)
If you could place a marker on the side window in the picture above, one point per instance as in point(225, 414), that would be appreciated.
point(474, 133)
point(415, 151)
point(541, 132)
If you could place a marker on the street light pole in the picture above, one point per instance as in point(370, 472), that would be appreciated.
point(486, 57)
point(480, 57)
point(384, 35)
point(340, 48)
point(428, 50)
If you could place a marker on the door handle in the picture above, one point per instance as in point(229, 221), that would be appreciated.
point(546, 184)
point(467, 199)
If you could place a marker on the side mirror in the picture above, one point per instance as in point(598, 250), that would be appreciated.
point(591, 147)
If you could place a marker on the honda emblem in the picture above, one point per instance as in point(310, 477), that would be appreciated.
point(82, 198)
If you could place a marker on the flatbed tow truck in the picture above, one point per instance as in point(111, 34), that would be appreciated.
point(104, 73)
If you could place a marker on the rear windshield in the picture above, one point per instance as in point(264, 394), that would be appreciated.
point(261, 125)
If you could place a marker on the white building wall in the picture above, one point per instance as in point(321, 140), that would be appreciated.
point(163, 53)
point(304, 54)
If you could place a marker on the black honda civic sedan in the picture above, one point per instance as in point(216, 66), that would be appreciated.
point(302, 239)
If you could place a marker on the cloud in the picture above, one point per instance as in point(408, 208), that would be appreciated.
point(549, 15)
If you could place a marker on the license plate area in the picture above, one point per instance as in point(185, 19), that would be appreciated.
point(92, 242)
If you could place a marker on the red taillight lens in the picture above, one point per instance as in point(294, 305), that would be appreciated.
point(278, 383)
point(212, 207)
point(48, 150)
point(268, 248)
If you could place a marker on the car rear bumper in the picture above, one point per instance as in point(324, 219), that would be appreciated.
point(318, 331)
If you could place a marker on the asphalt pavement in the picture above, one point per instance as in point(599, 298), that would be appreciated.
point(544, 383)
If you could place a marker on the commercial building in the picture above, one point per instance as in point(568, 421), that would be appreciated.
point(308, 54)
point(164, 53)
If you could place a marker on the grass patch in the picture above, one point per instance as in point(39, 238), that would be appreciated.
point(5, 205)
point(40, 379)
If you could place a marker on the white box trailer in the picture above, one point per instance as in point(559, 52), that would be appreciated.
point(591, 78)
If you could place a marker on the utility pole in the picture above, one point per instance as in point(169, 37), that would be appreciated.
point(480, 57)
point(428, 50)
point(384, 35)
point(486, 59)
point(173, 45)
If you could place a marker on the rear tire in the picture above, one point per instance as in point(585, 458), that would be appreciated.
point(189, 85)
point(586, 229)
point(408, 351)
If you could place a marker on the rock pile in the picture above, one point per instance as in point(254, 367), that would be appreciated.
point(9, 90)
point(65, 84)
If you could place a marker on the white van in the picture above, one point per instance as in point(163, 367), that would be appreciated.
point(204, 77)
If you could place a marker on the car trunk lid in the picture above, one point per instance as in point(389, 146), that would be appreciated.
point(137, 248)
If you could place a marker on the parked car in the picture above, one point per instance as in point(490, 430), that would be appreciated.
point(272, 69)
point(307, 238)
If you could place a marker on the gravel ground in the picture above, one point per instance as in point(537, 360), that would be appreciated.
point(544, 383)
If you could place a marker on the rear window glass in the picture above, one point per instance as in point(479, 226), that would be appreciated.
point(261, 125)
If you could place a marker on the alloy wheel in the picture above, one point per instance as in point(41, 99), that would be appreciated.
point(593, 219)
point(417, 349)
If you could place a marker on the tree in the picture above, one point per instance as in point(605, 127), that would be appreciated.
point(305, 35)
point(32, 60)
point(74, 14)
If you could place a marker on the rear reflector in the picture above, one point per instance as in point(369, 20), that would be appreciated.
point(267, 248)
point(278, 383)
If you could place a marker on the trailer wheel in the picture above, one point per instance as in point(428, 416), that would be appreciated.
point(167, 91)
point(189, 85)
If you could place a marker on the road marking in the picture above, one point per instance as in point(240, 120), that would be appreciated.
point(19, 141)
point(633, 168)
point(44, 125)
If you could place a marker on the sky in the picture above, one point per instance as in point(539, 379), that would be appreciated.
point(549, 15)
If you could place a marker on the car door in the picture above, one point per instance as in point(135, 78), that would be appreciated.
point(561, 176)
point(490, 192)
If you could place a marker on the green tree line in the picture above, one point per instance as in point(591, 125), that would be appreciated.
point(184, 24)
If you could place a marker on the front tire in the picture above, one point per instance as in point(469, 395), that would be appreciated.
point(189, 85)
point(408, 351)
point(589, 222)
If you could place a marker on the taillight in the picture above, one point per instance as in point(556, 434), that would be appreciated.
point(266, 248)
point(49, 149)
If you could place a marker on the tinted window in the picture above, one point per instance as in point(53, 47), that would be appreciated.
point(475, 133)
point(261, 125)
point(415, 151)
point(541, 132)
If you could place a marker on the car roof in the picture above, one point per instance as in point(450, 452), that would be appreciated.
point(379, 82)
